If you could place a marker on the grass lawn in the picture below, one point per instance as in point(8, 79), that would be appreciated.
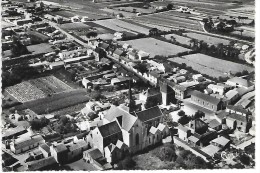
point(210, 65)
point(208, 39)
point(155, 47)
point(40, 48)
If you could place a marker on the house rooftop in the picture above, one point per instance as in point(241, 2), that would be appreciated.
point(205, 97)
point(221, 141)
point(237, 117)
point(28, 142)
point(210, 150)
point(149, 114)
point(237, 109)
point(213, 123)
point(240, 81)
point(60, 148)
point(94, 153)
point(231, 93)
point(193, 139)
point(45, 147)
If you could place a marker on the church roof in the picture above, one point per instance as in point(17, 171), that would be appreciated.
point(149, 114)
point(128, 120)
point(109, 129)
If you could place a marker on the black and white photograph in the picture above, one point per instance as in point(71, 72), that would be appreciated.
point(106, 85)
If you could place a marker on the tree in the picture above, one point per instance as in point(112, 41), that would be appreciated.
point(96, 87)
point(151, 102)
point(97, 96)
point(154, 32)
point(92, 116)
point(199, 114)
point(169, 6)
point(18, 48)
point(184, 120)
point(91, 34)
point(127, 164)
point(166, 153)
point(142, 68)
point(245, 159)
point(173, 39)
point(181, 113)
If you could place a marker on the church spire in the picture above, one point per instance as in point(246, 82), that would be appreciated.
point(130, 98)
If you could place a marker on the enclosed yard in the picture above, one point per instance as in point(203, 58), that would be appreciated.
point(211, 66)
point(155, 47)
point(208, 39)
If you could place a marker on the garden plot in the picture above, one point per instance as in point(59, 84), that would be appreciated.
point(25, 91)
point(37, 88)
point(56, 102)
point(211, 66)
point(155, 47)
point(208, 39)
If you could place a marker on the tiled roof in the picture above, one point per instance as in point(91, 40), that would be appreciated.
point(240, 81)
point(205, 97)
point(237, 117)
point(221, 140)
point(213, 123)
point(109, 129)
point(237, 109)
point(60, 148)
point(45, 147)
point(78, 145)
point(94, 153)
point(39, 164)
point(128, 120)
point(13, 131)
point(193, 139)
point(149, 114)
point(230, 94)
point(28, 142)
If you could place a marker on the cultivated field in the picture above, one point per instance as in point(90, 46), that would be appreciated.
point(55, 102)
point(155, 47)
point(37, 88)
point(119, 25)
point(208, 39)
point(211, 66)
point(180, 39)
point(165, 19)
point(74, 26)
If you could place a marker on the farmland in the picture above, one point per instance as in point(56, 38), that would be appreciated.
point(119, 25)
point(209, 65)
point(55, 102)
point(208, 39)
point(37, 88)
point(155, 47)
point(165, 19)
